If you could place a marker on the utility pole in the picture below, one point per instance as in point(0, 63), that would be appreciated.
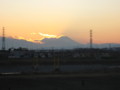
point(3, 39)
point(91, 40)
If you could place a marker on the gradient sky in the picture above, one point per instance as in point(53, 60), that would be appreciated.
point(72, 18)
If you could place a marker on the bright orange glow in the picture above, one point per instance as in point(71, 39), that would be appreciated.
point(36, 40)
point(48, 36)
point(21, 38)
point(26, 39)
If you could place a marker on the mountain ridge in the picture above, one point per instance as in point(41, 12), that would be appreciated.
point(63, 42)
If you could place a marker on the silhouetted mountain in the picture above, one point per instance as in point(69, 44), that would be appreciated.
point(48, 43)
point(16, 43)
point(57, 43)
point(62, 42)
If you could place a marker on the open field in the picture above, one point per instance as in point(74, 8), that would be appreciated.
point(61, 61)
point(89, 75)
point(61, 82)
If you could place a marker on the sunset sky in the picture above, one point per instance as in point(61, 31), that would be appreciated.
point(37, 19)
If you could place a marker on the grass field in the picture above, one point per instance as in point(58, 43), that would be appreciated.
point(102, 80)
point(61, 82)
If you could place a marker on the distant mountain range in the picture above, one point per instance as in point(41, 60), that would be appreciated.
point(62, 42)
point(51, 43)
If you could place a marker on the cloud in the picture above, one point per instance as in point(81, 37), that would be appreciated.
point(26, 39)
point(36, 38)
point(43, 35)
point(48, 35)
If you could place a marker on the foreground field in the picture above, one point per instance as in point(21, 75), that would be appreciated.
point(60, 82)
point(73, 75)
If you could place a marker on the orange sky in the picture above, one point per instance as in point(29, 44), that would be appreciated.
point(72, 18)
